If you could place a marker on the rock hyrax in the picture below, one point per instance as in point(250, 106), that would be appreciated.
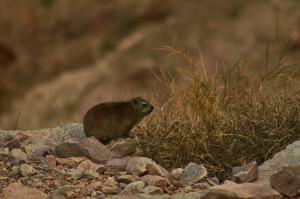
point(111, 120)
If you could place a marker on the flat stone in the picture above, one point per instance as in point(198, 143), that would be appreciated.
point(86, 147)
point(287, 181)
point(19, 191)
point(240, 191)
point(124, 147)
point(246, 173)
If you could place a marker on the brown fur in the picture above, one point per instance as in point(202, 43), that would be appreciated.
point(112, 120)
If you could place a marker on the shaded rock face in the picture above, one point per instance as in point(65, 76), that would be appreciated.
point(247, 173)
point(287, 181)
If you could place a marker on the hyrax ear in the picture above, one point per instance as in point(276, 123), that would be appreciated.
point(135, 101)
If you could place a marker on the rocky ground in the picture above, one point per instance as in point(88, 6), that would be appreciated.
point(63, 163)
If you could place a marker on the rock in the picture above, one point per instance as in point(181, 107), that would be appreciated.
point(175, 177)
point(27, 170)
point(110, 187)
point(18, 191)
point(50, 161)
point(157, 181)
point(140, 165)
point(86, 147)
point(87, 169)
point(71, 162)
point(153, 190)
point(18, 154)
point(4, 151)
point(15, 170)
point(247, 173)
point(213, 181)
point(62, 190)
point(124, 147)
point(127, 179)
point(12, 144)
point(288, 157)
point(287, 181)
point(240, 191)
point(193, 173)
point(116, 164)
point(134, 188)
point(201, 185)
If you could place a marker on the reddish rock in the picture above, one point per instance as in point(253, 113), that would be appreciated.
point(157, 181)
point(116, 164)
point(246, 173)
point(71, 162)
point(141, 165)
point(50, 161)
point(240, 191)
point(19, 191)
point(124, 147)
point(287, 181)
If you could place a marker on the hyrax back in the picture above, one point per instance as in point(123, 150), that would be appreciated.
point(112, 120)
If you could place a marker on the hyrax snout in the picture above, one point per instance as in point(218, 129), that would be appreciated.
point(112, 120)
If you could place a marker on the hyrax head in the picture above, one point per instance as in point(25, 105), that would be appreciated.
point(141, 106)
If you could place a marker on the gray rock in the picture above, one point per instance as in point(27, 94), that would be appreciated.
point(193, 173)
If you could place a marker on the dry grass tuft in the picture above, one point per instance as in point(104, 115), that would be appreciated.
point(225, 120)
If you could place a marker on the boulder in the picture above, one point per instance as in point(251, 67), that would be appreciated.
point(19, 191)
point(287, 181)
point(240, 191)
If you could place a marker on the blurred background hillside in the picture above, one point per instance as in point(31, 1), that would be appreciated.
point(59, 57)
